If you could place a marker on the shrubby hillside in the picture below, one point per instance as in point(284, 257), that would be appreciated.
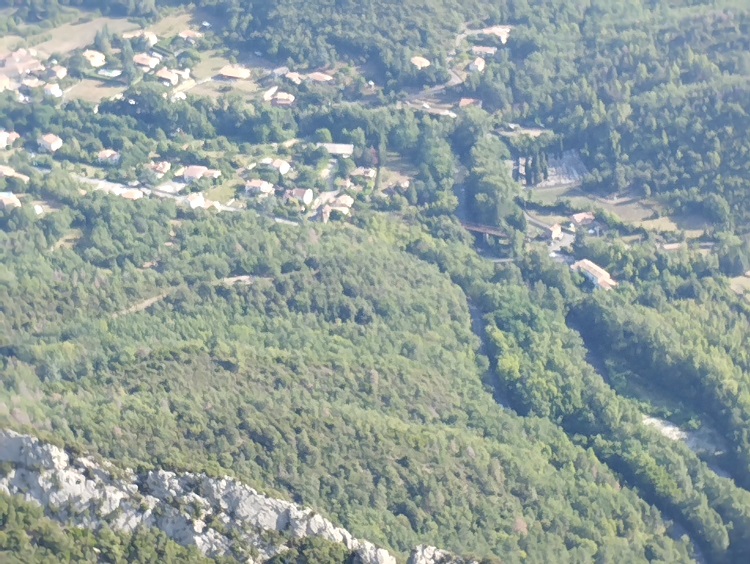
point(342, 373)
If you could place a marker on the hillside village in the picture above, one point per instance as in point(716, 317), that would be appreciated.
point(311, 179)
point(28, 72)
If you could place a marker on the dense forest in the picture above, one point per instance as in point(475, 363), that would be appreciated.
point(381, 369)
point(323, 378)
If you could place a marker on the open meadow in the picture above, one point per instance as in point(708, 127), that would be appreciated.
point(91, 90)
point(77, 35)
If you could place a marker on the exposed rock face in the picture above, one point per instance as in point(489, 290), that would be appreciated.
point(430, 555)
point(192, 509)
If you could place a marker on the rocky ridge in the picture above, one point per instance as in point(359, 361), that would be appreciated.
point(218, 516)
point(430, 555)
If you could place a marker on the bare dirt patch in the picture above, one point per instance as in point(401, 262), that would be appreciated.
point(740, 284)
point(703, 440)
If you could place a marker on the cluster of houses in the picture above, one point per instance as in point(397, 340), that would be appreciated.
point(278, 97)
point(148, 61)
point(198, 200)
point(577, 221)
point(8, 200)
point(332, 202)
point(236, 73)
point(595, 274)
point(281, 98)
point(160, 168)
point(26, 69)
point(50, 143)
point(320, 207)
point(193, 173)
point(480, 52)
point(298, 78)
point(262, 188)
point(23, 71)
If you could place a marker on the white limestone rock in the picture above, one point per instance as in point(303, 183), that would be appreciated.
point(85, 493)
point(424, 554)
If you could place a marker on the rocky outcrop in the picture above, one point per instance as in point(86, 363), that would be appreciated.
point(218, 516)
point(430, 555)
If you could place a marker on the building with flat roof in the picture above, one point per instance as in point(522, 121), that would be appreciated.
point(338, 149)
point(234, 72)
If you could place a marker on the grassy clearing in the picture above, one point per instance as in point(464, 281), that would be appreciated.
point(210, 64)
point(549, 196)
point(215, 89)
point(693, 226)
point(532, 132)
point(209, 89)
point(551, 218)
point(94, 91)
point(395, 170)
point(639, 212)
point(224, 192)
point(71, 36)
point(630, 210)
point(173, 24)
